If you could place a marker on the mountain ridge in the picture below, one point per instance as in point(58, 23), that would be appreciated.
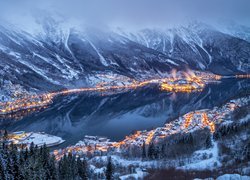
point(61, 58)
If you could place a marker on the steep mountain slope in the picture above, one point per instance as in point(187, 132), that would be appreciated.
point(56, 58)
point(198, 45)
point(29, 60)
point(235, 29)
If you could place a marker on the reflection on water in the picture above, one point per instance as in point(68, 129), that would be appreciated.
point(117, 115)
point(185, 82)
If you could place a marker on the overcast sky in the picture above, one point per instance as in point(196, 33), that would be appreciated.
point(126, 12)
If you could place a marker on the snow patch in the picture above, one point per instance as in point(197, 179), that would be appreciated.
point(103, 61)
point(233, 177)
point(138, 175)
point(209, 163)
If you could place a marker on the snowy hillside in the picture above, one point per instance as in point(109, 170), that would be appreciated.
point(199, 46)
point(61, 56)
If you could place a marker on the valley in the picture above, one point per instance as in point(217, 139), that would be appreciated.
point(184, 83)
point(144, 101)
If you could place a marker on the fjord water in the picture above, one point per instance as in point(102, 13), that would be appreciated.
point(117, 115)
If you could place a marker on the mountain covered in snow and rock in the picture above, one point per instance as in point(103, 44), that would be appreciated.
point(57, 56)
point(60, 56)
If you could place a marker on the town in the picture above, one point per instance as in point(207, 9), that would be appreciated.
point(95, 146)
point(176, 82)
point(205, 118)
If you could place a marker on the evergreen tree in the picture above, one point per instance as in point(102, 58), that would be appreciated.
point(38, 163)
point(51, 169)
point(82, 168)
point(246, 151)
point(26, 154)
point(144, 153)
point(157, 152)
point(21, 157)
point(64, 170)
point(44, 155)
point(73, 168)
point(31, 149)
point(109, 170)
point(151, 151)
point(190, 139)
point(16, 165)
point(163, 149)
point(208, 141)
point(2, 170)
point(5, 136)
point(9, 168)
point(60, 168)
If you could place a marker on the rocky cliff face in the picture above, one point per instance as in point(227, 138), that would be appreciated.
point(59, 58)
point(199, 46)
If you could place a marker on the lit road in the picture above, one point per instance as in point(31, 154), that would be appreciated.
point(171, 84)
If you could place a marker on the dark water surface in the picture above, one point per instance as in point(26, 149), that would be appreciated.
point(115, 116)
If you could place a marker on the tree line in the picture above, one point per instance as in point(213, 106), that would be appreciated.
point(33, 162)
point(171, 147)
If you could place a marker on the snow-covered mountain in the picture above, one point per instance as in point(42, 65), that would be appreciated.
point(45, 62)
point(199, 46)
point(234, 29)
point(60, 57)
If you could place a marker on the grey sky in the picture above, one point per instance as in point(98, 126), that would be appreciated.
point(128, 12)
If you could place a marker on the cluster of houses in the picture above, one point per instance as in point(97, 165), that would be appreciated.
point(89, 146)
point(205, 118)
point(9, 91)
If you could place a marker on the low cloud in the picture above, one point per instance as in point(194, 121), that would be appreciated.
point(126, 12)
